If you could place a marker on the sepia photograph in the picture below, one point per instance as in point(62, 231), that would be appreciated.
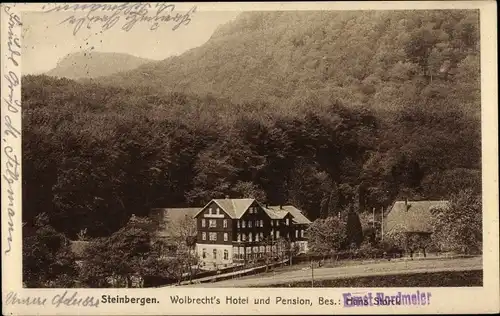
point(251, 149)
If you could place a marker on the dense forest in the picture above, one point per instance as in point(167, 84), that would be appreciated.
point(327, 111)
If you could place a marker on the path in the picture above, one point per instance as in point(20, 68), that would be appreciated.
point(382, 268)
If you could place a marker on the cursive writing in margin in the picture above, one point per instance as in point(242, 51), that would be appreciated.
point(11, 106)
point(128, 15)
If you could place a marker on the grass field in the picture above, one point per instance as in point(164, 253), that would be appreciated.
point(401, 273)
point(434, 279)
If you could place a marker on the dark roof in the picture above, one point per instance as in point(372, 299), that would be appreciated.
point(78, 247)
point(298, 216)
point(235, 208)
point(169, 218)
point(417, 218)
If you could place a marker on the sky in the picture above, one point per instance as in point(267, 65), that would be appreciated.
point(46, 40)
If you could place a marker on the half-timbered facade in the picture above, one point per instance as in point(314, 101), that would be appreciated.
point(240, 230)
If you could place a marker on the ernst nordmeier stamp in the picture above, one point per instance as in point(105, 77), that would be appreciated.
point(384, 299)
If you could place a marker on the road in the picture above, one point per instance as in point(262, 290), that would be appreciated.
point(362, 270)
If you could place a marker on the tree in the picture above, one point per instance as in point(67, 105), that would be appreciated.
point(129, 252)
point(326, 235)
point(458, 226)
point(47, 257)
point(400, 238)
point(354, 231)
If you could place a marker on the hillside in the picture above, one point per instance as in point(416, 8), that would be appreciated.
point(95, 64)
point(385, 60)
point(322, 110)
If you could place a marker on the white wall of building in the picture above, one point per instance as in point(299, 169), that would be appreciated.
point(220, 259)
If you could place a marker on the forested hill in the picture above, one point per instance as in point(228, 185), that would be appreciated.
point(285, 107)
point(384, 60)
point(93, 155)
point(95, 64)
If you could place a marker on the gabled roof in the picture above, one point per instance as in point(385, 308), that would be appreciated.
point(171, 217)
point(416, 218)
point(234, 208)
point(274, 212)
point(298, 217)
point(297, 214)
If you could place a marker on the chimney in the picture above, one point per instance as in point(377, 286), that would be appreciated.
point(281, 207)
point(406, 204)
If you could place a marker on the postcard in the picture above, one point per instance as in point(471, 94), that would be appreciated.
point(249, 158)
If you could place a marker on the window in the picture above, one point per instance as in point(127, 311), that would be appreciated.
point(225, 237)
point(302, 233)
point(226, 254)
point(272, 222)
point(287, 222)
point(262, 249)
point(238, 224)
point(296, 233)
point(277, 222)
point(250, 237)
point(204, 253)
point(257, 237)
point(212, 236)
point(218, 211)
point(243, 224)
point(224, 223)
point(215, 253)
point(212, 223)
point(271, 233)
point(249, 224)
point(239, 237)
point(261, 223)
point(261, 236)
point(203, 222)
point(268, 249)
point(244, 237)
point(203, 236)
point(277, 234)
point(210, 211)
